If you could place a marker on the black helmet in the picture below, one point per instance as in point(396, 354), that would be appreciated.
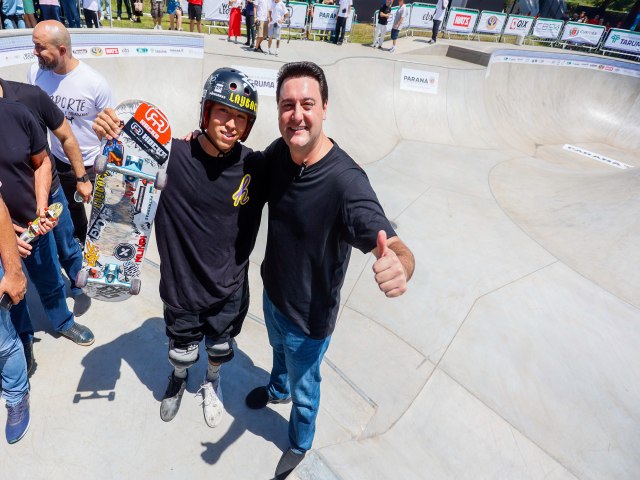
point(232, 88)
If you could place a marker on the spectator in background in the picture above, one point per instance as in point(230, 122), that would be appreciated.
point(195, 14)
point(250, 22)
point(277, 15)
point(583, 17)
point(381, 26)
point(397, 23)
point(127, 5)
point(262, 23)
point(29, 13)
point(595, 20)
point(438, 16)
point(50, 9)
point(174, 10)
point(344, 9)
point(90, 9)
point(13, 14)
point(607, 26)
point(71, 13)
point(156, 14)
point(234, 20)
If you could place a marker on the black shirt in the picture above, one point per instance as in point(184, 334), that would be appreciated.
point(206, 224)
point(20, 137)
point(314, 220)
point(43, 108)
point(383, 9)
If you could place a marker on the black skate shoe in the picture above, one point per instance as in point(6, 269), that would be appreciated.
point(172, 397)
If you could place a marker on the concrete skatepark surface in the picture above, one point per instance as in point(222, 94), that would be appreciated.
point(513, 355)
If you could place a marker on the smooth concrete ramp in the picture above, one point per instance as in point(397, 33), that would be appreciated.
point(513, 355)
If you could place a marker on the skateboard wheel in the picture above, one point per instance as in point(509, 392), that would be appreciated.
point(161, 180)
point(100, 165)
point(134, 289)
point(81, 278)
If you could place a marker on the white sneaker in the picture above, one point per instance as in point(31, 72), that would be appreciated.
point(212, 405)
point(159, 27)
point(392, 50)
point(270, 52)
point(276, 52)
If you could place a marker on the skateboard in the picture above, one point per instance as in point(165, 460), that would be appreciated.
point(130, 173)
point(53, 211)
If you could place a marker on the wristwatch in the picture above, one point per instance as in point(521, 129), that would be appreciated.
point(82, 179)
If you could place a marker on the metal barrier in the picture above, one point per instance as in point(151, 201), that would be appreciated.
point(491, 23)
point(461, 21)
point(622, 42)
point(546, 30)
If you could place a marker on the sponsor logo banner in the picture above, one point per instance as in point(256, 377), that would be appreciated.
point(422, 16)
point(419, 81)
point(623, 40)
point(547, 28)
point(582, 33)
point(461, 20)
point(324, 17)
point(518, 25)
point(491, 22)
point(216, 10)
point(264, 79)
point(297, 15)
point(596, 156)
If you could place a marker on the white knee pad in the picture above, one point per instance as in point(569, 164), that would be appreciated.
point(183, 356)
point(219, 352)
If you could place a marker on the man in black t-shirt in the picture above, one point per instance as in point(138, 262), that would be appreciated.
point(320, 205)
point(50, 117)
point(207, 222)
point(381, 27)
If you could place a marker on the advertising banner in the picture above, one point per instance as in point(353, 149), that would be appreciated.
point(422, 16)
point(419, 81)
point(405, 20)
point(582, 33)
point(264, 79)
point(324, 17)
point(461, 20)
point(491, 22)
point(547, 28)
point(297, 14)
point(518, 25)
point(623, 40)
point(216, 10)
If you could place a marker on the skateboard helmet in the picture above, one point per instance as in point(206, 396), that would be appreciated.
point(232, 88)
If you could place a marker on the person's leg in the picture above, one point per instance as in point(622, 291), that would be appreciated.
point(278, 387)
point(71, 12)
point(68, 178)
point(127, 6)
point(119, 10)
point(436, 28)
point(343, 28)
point(178, 19)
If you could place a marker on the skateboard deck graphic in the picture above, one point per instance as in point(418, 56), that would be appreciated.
point(131, 172)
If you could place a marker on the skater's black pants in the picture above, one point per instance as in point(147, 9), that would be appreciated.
point(338, 33)
point(251, 29)
point(436, 28)
point(76, 209)
point(91, 18)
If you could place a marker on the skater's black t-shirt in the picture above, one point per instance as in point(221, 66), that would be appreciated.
point(384, 9)
point(315, 217)
point(44, 110)
point(206, 224)
point(20, 138)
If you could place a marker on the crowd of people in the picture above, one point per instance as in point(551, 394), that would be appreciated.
point(204, 289)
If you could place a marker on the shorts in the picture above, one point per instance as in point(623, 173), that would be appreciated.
point(172, 6)
point(394, 34)
point(195, 12)
point(28, 7)
point(274, 31)
point(262, 29)
point(156, 9)
point(222, 321)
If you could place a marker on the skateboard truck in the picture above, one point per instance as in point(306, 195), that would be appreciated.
point(132, 168)
point(52, 212)
point(110, 277)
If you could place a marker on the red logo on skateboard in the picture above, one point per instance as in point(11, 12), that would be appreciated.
point(154, 121)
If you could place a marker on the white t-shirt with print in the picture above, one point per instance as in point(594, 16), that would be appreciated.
point(346, 6)
point(262, 10)
point(440, 9)
point(278, 11)
point(81, 94)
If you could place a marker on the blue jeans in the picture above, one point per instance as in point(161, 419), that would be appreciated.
point(9, 24)
point(69, 252)
point(13, 367)
point(70, 8)
point(295, 373)
point(44, 271)
point(50, 12)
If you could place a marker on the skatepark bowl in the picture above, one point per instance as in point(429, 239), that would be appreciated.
point(513, 175)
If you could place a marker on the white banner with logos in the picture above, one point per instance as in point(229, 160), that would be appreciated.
point(623, 40)
point(491, 22)
point(582, 33)
point(547, 28)
point(518, 25)
point(419, 81)
point(297, 15)
point(405, 19)
point(461, 20)
point(216, 10)
point(264, 79)
point(422, 16)
point(324, 17)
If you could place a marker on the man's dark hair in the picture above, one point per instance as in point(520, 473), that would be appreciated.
point(303, 69)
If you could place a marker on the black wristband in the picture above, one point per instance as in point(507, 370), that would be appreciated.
point(82, 179)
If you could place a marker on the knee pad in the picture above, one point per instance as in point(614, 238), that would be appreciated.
point(219, 352)
point(183, 356)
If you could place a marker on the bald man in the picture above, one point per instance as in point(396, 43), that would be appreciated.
point(81, 93)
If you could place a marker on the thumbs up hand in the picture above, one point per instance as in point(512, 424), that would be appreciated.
point(389, 272)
